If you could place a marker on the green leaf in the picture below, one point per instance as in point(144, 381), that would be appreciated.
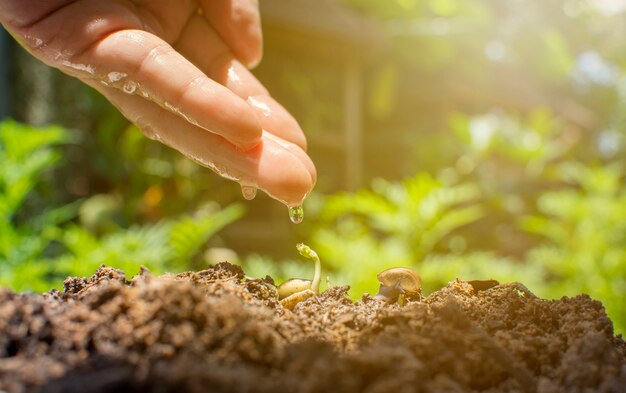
point(188, 234)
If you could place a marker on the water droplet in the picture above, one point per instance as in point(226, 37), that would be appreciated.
point(143, 92)
point(80, 67)
point(178, 112)
point(116, 76)
point(232, 75)
point(129, 87)
point(149, 132)
point(265, 109)
point(249, 192)
point(296, 214)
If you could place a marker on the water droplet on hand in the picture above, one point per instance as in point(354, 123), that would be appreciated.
point(149, 132)
point(116, 76)
point(296, 214)
point(249, 192)
point(265, 109)
point(129, 87)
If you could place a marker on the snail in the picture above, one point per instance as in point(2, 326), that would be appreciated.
point(295, 290)
point(398, 281)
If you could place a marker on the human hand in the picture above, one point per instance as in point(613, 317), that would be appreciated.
point(175, 68)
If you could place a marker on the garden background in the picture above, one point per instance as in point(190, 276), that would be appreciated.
point(471, 139)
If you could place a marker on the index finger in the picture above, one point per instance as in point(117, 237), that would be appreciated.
point(164, 76)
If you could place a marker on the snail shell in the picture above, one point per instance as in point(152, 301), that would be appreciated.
point(406, 279)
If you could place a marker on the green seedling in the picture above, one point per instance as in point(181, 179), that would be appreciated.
point(295, 290)
point(398, 282)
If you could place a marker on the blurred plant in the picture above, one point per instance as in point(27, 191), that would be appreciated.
point(26, 153)
point(169, 245)
point(35, 249)
point(256, 265)
point(532, 141)
point(510, 158)
point(394, 224)
point(585, 225)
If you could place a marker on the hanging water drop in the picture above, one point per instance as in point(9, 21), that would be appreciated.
point(150, 133)
point(296, 214)
point(129, 87)
point(249, 192)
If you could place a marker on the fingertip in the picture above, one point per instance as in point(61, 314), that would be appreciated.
point(248, 146)
point(256, 56)
point(248, 51)
point(253, 63)
point(290, 185)
point(285, 173)
point(294, 150)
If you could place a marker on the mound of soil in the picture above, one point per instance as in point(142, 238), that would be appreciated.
point(215, 330)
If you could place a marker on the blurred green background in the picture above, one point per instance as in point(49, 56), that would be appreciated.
point(470, 139)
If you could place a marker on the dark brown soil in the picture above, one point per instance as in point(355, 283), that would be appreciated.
point(216, 331)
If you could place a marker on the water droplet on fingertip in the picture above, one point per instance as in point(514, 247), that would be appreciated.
point(143, 92)
point(150, 133)
point(129, 87)
point(248, 192)
point(296, 214)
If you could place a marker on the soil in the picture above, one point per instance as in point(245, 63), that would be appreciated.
point(217, 331)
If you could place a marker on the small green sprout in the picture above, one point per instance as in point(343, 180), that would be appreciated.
point(295, 290)
point(307, 252)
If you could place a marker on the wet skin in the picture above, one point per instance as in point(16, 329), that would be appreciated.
point(177, 69)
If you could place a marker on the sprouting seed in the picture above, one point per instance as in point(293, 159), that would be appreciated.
point(290, 301)
point(295, 290)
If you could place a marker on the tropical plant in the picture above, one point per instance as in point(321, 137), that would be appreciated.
point(585, 228)
point(169, 245)
point(37, 248)
point(26, 153)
